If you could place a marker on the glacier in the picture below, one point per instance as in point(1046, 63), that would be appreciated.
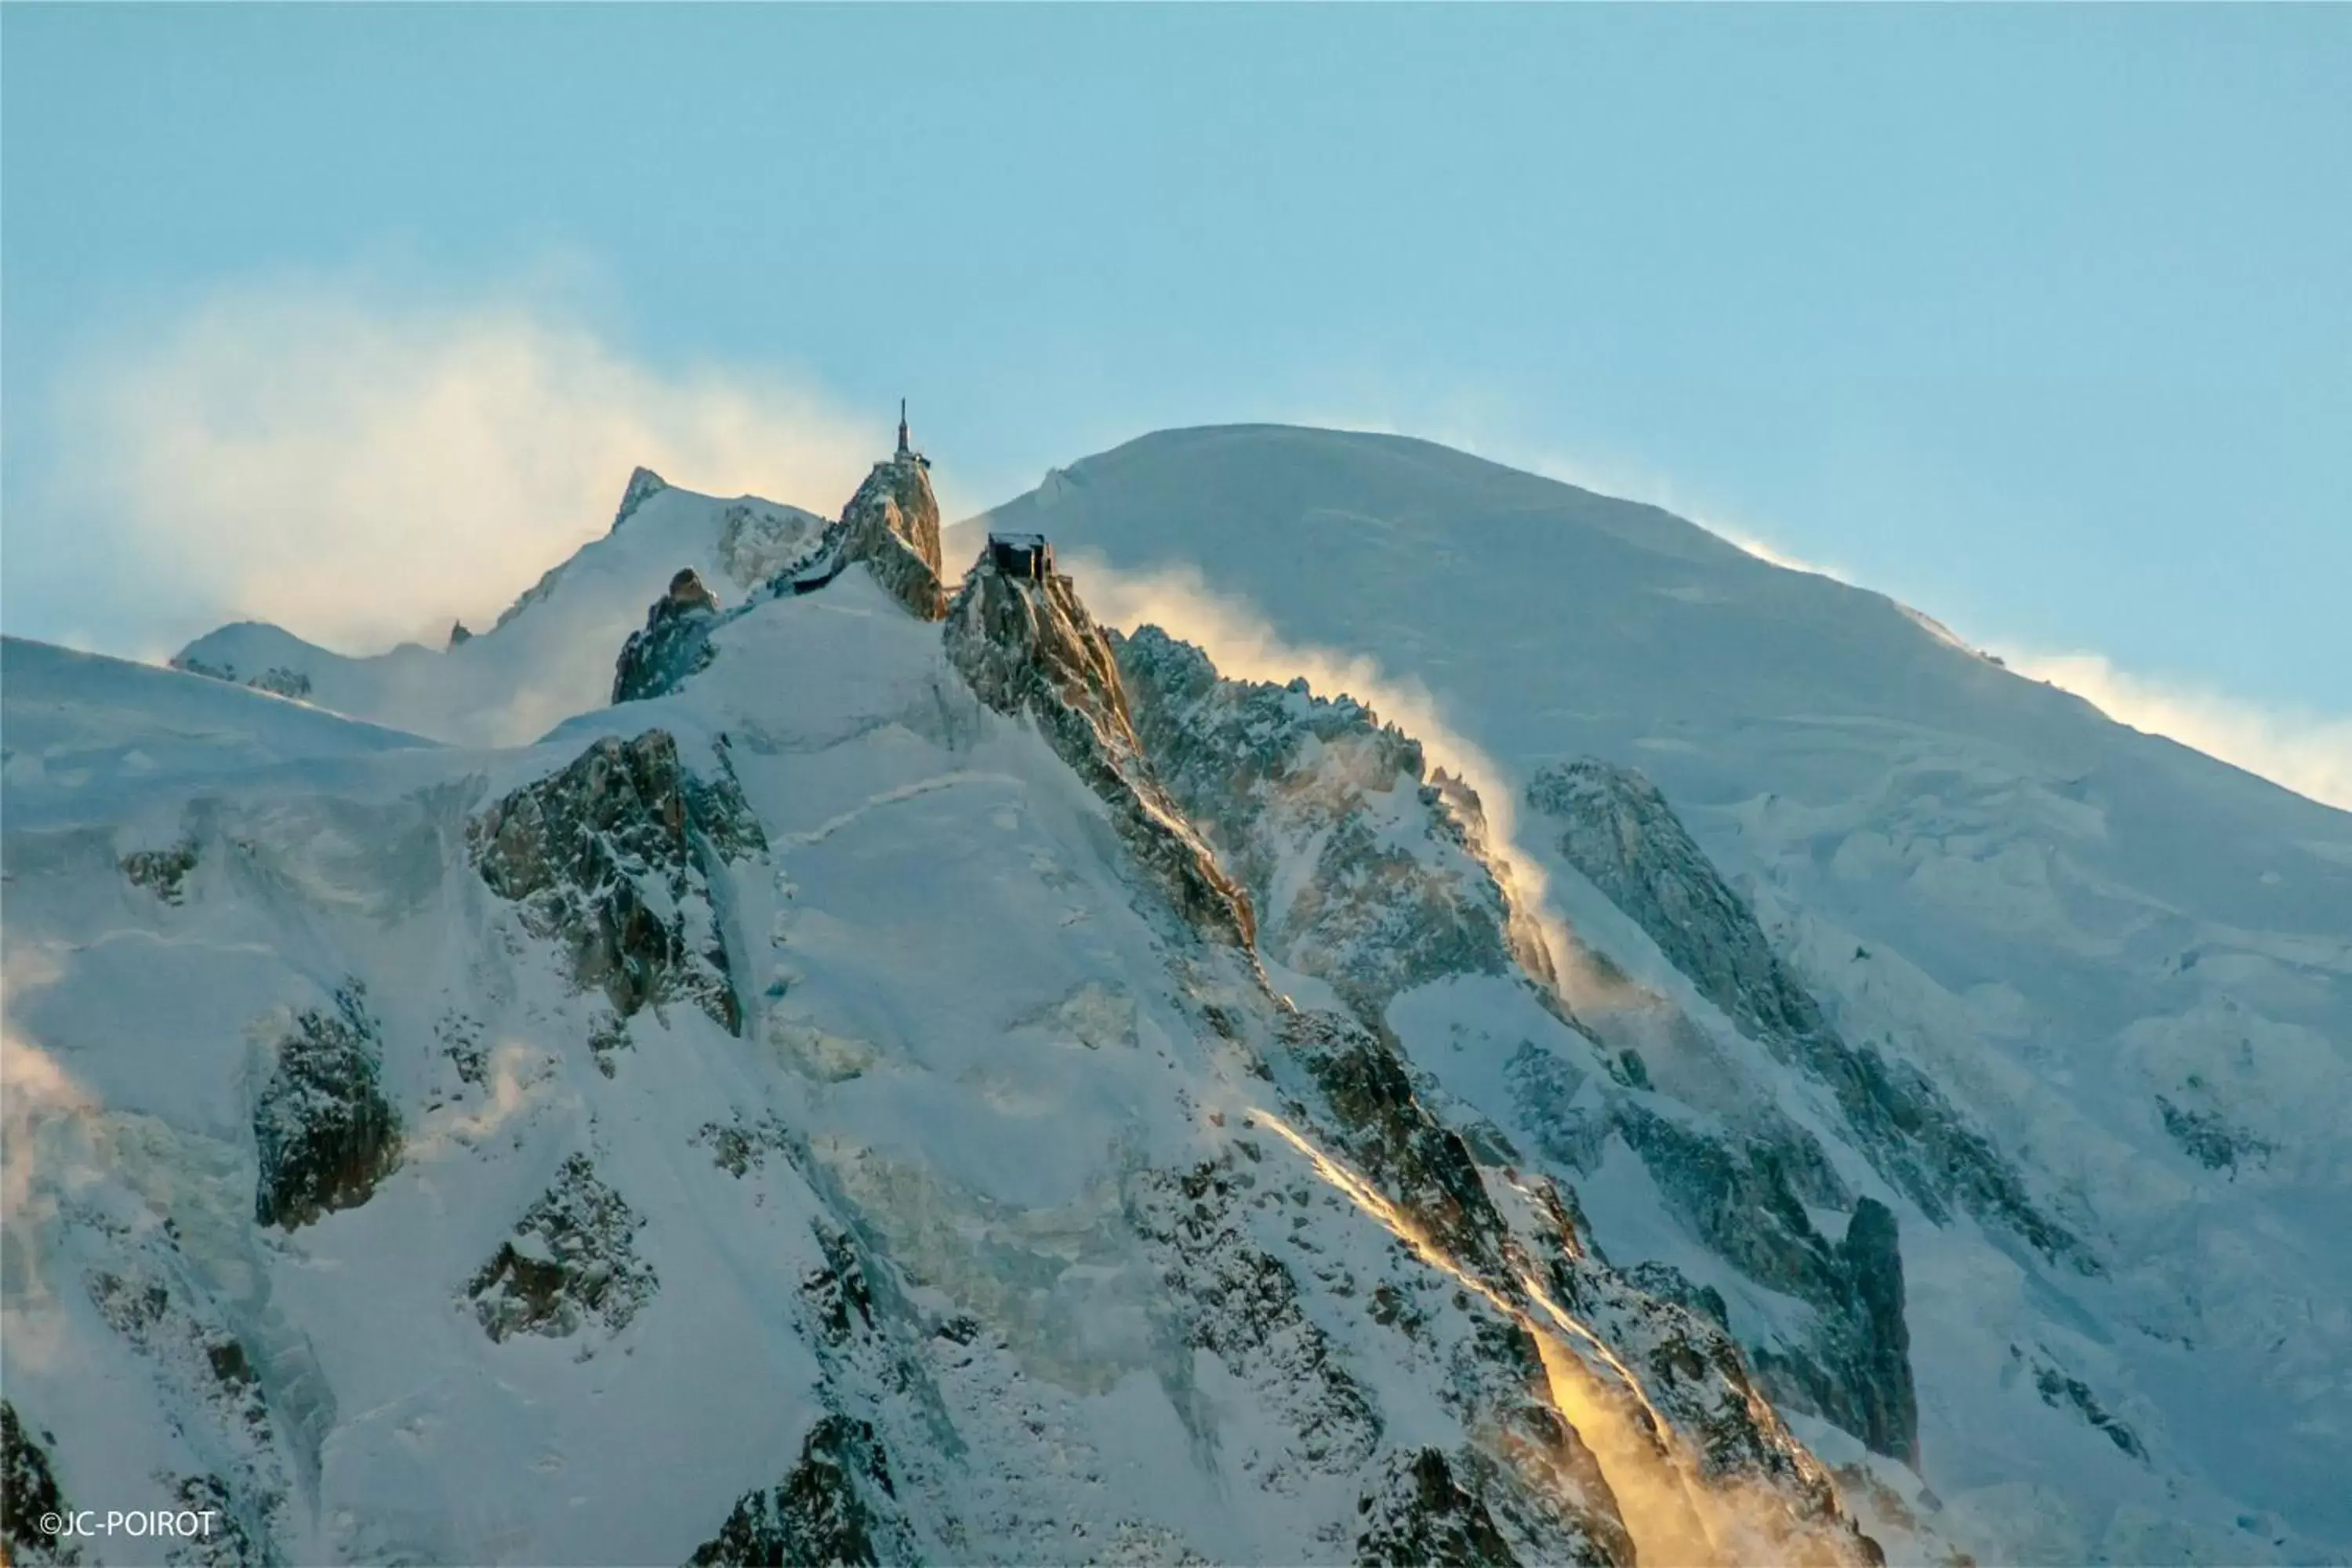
point(852, 1064)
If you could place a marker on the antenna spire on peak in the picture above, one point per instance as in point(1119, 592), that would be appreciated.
point(902, 427)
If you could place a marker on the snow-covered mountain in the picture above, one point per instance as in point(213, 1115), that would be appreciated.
point(2123, 968)
point(852, 1063)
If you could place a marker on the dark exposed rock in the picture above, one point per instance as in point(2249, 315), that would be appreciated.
point(840, 1300)
point(205, 1377)
point(281, 681)
point(1029, 646)
point(458, 634)
point(1873, 1266)
point(1617, 830)
point(739, 1147)
point(1856, 1372)
point(1418, 1160)
point(323, 1130)
point(29, 1490)
point(1668, 1283)
point(612, 858)
point(674, 644)
point(1422, 1515)
point(837, 1506)
point(1737, 1196)
point(2061, 1390)
point(572, 1262)
point(162, 871)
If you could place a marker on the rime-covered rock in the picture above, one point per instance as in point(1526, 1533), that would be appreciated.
point(28, 1493)
point(323, 1130)
point(612, 858)
point(1357, 858)
point(571, 1263)
point(1029, 646)
point(836, 1505)
point(162, 871)
point(1421, 1514)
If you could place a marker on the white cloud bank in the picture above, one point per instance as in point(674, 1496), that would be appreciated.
point(2310, 754)
point(357, 470)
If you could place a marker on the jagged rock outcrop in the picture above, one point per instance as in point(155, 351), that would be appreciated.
point(1421, 1514)
point(29, 1494)
point(1872, 1256)
point(1422, 1164)
point(162, 871)
point(571, 1263)
point(643, 483)
point(1241, 1303)
point(1358, 861)
point(1028, 646)
point(460, 634)
point(323, 1130)
point(838, 1505)
point(1616, 828)
point(675, 642)
point(219, 1392)
point(612, 860)
point(892, 525)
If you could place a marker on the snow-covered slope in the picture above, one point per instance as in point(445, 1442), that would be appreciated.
point(830, 1110)
point(2123, 968)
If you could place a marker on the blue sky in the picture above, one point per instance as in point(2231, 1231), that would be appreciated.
point(2040, 319)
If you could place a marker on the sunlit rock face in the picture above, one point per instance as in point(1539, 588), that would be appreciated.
point(1028, 646)
point(892, 525)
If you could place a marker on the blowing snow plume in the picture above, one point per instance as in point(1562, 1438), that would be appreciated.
point(357, 470)
point(1676, 1515)
point(1243, 646)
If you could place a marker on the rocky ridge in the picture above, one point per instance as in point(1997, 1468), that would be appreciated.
point(1616, 828)
point(1030, 647)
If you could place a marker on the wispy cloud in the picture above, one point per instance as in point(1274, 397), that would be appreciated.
point(2309, 752)
point(356, 468)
